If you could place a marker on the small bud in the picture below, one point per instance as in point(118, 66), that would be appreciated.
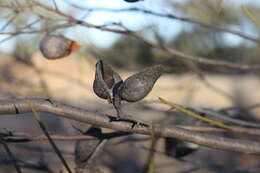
point(55, 47)
point(139, 85)
point(106, 80)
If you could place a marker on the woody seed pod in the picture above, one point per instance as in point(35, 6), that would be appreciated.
point(105, 81)
point(85, 148)
point(137, 86)
point(55, 47)
point(178, 149)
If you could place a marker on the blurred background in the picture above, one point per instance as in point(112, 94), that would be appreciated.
point(226, 30)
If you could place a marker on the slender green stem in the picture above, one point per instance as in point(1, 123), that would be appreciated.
point(179, 108)
point(56, 149)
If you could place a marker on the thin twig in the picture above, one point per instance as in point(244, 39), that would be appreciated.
point(150, 165)
point(18, 137)
point(237, 130)
point(55, 5)
point(228, 118)
point(7, 23)
point(97, 151)
point(171, 16)
point(190, 113)
point(153, 13)
point(10, 155)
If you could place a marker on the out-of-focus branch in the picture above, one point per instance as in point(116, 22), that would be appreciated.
point(226, 118)
point(170, 51)
point(238, 130)
point(221, 115)
point(254, 106)
point(20, 106)
point(53, 28)
point(123, 30)
point(44, 138)
point(170, 16)
point(18, 137)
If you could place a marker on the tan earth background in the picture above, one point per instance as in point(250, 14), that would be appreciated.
point(70, 80)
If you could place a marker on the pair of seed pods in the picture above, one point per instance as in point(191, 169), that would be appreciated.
point(109, 85)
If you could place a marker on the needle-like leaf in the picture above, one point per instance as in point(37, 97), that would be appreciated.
point(188, 112)
point(45, 131)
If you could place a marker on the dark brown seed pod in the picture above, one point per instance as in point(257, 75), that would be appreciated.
point(85, 148)
point(137, 86)
point(55, 47)
point(178, 149)
point(106, 81)
point(132, 0)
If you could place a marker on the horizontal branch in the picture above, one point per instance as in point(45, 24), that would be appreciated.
point(20, 106)
point(15, 137)
point(18, 137)
point(235, 130)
